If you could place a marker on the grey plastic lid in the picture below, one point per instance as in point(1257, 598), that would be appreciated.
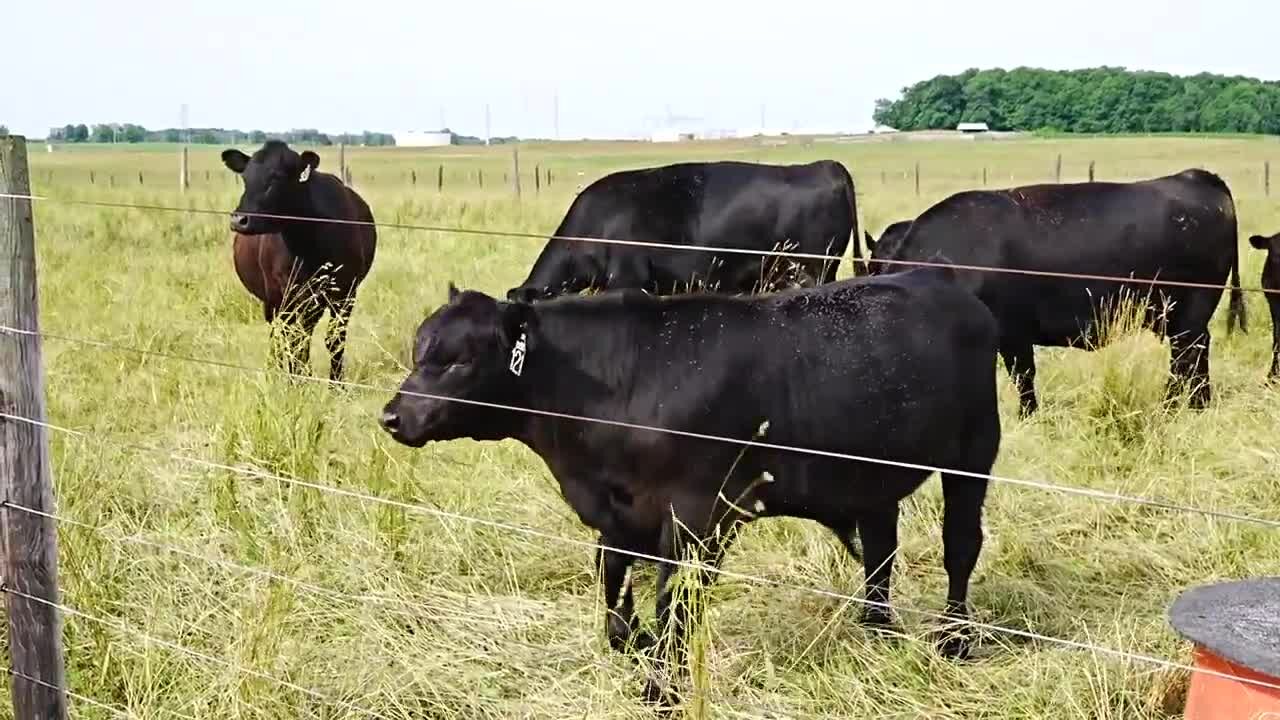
point(1238, 621)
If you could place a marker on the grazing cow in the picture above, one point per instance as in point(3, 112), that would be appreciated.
point(900, 368)
point(807, 209)
point(1179, 228)
point(891, 234)
point(300, 268)
point(1271, 282)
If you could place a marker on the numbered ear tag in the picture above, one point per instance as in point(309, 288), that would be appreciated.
point(306, 174)
point(517, 356)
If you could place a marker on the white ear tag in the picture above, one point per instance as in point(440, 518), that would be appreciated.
point(517, 356)
point(306, 174)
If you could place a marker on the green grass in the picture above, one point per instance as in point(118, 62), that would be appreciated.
point(465, 621)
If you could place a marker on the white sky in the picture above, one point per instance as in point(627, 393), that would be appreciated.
point(617, 66)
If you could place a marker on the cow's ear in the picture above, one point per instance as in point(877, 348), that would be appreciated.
point(310, 161)
point(235, 160)
point(870, 241)
point(1260, 242)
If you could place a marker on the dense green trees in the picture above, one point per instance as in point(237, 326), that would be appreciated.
point(1096, 100)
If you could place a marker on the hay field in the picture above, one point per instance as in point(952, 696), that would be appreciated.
point(410, 616)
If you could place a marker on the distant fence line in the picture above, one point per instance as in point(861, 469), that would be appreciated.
point(443, 177)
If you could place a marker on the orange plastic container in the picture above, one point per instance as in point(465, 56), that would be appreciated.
point(1236, 629)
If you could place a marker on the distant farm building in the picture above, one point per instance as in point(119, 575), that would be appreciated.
point(883, 130)
point(973, 127)
point(672, 135)
point(424, 138)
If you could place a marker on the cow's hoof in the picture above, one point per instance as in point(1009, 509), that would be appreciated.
point(659, 693)
point(954, 642)
point(877, 618)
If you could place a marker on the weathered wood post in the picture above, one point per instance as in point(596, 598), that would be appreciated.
point(917, 177)
point(140, 177)
point(1266, 177)
point(1090, 171)
point(537, 179)
point(342, 163)
point(480, 177)
point(184, 176)
point(440, 178)
point(1057, 169)
point(984, 176)
point(91, 178)
point(515, 170)
point(30, 549)
point(413, 178)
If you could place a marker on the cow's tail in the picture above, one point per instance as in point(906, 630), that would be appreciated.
point(854, 236)
point(1235, 305)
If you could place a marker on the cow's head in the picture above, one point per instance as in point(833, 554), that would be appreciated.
point(1271, 266)
point(470, 349)
point(275, 183)
point(888, 246)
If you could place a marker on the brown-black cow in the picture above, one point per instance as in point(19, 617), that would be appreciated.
point(286, 255)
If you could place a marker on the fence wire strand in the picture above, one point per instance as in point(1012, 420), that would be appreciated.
point(456, 230)
point(1102, 495)
point(124, 628)
point(683, 564)
point(118, 712)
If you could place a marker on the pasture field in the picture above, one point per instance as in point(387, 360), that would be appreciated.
point(411, 616)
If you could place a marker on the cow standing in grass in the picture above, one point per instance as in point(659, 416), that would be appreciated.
point(1179, 228)
point(900, 368)
point(810, 209)
point(1271, 283)
point(298, 265)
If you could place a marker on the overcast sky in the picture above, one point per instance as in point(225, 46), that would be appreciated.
point(616, 66)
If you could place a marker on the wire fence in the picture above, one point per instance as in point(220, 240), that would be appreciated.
point(720, 249)
point(540, 534)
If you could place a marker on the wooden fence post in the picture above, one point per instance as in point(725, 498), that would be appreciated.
point(184, 176)
point(480, 177)
point(917, 177)
point(140, 177)
point(342, 163)
point(984, 176)
point(1090, 171)
point(29, 540)
point(515, 170)
point(413, 177)
point(1057, 169)
point(537, 179)
point(440, 178)
point(1266, 177)
point(91, 178)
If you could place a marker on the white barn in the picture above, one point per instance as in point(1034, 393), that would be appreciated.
point(423, 138)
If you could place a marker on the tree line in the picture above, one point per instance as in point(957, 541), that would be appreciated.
point(1095, 100)
point(130, 133)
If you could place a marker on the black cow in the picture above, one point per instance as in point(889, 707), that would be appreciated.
point(300, 268)
point(1271, 282)
point(1177, 228)
point(807, 209)
point(892, 234)
point(900, 368)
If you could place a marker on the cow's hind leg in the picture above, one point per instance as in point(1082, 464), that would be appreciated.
point(1020, 361)
point(962, 542)
point(1189, 347)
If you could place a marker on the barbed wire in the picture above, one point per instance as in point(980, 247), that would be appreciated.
point(1092, 493)
point(125, 628)
point(684, 564)
point(652, 245)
